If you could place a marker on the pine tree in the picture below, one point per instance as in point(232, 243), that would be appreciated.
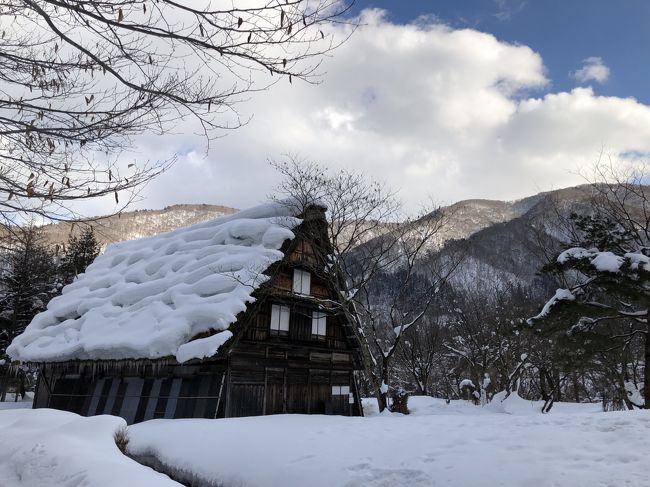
point(29, 280)
point(80, 253)
point(600, 232)
point(604, 302)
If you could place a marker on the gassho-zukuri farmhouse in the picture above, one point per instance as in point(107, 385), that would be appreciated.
point(232, 317)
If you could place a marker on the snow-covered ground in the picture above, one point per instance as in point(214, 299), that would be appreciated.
point(45, 447)
point(460, 445)
point(508, 444)
point(10, 402)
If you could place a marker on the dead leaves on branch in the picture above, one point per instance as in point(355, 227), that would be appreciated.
point(66, 112)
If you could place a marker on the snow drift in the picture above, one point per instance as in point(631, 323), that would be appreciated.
point(44, 447)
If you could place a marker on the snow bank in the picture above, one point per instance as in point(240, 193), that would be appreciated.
point(516, 405)
point(584, 449)
point(48, 448)
point(148, 298)
point(427, 406)
point(513, 405)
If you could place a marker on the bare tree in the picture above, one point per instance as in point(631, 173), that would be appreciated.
point(80, 78)
point(620, 194)
point(422, 353)
point(371, 239)
point(483, 338)
point(415, 279)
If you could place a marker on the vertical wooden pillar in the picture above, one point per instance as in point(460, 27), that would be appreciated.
point(226, 412)
point(266, 385)
point(309, 392)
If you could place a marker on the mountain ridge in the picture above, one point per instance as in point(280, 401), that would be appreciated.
point(134, 224)
point(465, 218)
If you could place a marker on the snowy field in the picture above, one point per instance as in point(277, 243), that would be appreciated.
point(458, 444)
point(11, 402)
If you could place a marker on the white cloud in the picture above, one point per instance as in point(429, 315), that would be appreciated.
point(593, 69)
point(508, 8)
point(434, 111)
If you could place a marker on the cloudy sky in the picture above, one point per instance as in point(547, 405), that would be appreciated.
point(445, 99)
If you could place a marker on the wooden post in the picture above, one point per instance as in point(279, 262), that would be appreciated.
point(357, 394)
point(266, 382)
point(284, 392)
point(646, 373)
point(216, 411)
point(47, 386)
point(309, 392)
point(226, 413)
point(3, 388)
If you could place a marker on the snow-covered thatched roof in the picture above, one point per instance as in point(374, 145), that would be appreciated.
point(148, 298)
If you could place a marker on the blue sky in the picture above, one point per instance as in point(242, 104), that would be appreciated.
point(564, 32)
point(443, 100)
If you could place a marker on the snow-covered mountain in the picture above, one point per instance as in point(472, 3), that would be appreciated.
point(506, 243)
point(139, 223)
point(465, 218)
point(500, 238)
point(469, 217)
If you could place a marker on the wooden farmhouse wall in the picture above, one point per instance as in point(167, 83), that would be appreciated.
point(293, 352)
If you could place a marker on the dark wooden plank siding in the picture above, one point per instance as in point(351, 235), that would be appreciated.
point(298, 391)
point(187, 393)
point(246, 400)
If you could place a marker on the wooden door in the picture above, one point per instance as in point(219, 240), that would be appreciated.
point(274, 399)
point(246, 400)
point(275, 391)
point(341, 405)
point(320, 396)
point(298, 391)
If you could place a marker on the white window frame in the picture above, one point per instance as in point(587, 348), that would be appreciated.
point(280, 317)
point(318, 324)
point(301, 282)
point(340, 390)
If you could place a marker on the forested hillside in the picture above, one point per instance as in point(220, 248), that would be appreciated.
point(137, 224)
point(476, 339)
